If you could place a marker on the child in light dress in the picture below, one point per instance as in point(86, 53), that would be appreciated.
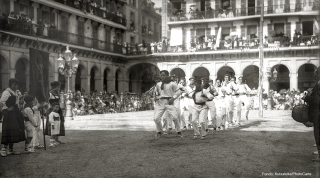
point(54, 119)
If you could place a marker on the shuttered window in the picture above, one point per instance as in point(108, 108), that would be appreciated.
point(288, 29)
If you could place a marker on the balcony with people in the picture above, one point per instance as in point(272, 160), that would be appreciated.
point(22, 24)
point(231, 12)
point(109, 11)
point(242, 43)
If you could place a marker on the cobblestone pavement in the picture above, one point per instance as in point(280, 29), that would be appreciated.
point(124, 145)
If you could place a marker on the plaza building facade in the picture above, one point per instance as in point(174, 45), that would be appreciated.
point(214, 37)
point(98, 32)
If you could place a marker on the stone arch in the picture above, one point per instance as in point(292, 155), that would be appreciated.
point(80, 84)
point(306, 77)
point(251, 76)
point(225, 70)
point(283, 80)
point(201, 72)
point(22, 74)
point(4, 72)
point(107, 79)
point(94, 78)
point(142, 77)
point(178, 72)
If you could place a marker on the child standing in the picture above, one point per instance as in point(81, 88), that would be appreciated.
point(54, 120)
point(30, 122)
point(38, 132)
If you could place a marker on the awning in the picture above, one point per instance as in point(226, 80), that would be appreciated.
point(176, 36)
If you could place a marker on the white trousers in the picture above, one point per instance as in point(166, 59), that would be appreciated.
point(241, 99)
point(229, 108)
point(220, 112)
point(162, 106)
point(199, 114)
point(212, 112)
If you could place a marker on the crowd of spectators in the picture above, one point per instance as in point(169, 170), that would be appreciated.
point(104, 103)
point(239, 42)
point(282, 100)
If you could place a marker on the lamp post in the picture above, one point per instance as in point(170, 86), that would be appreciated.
point(67, 67)
point(270, 77)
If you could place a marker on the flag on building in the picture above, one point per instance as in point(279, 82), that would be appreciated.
point(39, 74)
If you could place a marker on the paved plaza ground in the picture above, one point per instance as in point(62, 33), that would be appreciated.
point(124, 145)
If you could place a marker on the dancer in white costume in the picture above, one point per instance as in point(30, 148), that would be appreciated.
point(182, 105)
point(188, 101)
point(200, 110)
point(167, 92)
point(243, 91)
point(220, 106)
point(229, 88)
point(210, 102)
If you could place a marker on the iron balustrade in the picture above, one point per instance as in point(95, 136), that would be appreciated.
point(27, 28)
point(242, 12)
point(97, 11)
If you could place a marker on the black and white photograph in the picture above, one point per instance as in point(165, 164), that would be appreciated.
point(159, 88)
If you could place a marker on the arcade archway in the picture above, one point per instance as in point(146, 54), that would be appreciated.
point(201, 72)
point(4, 73)
point(142, 77)
point(223, 71)
point(251, 76)
point(306, 77)
point(94, 75)
point(21, 69)
point(80, 74)
point(178, 73)
point(283, 80)
point(106, 74)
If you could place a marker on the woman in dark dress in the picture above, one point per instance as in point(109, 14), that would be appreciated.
point(55, 97)
point(13, 123)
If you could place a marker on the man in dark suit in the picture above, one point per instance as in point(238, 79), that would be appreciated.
point(312, 98)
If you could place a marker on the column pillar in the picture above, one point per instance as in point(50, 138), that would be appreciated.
point(27, 81)
point(101, 84)
point(88, 91)
point(5, 75)
point(293, 81)
point(56, 76)
point(111, 84)
point(12, 5)
point(35, 13)
point(84, 84)
point(73, 83)
point(97, 83)
point(12, 73)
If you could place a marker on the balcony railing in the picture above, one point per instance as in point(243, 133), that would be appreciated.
point(52, 33)
point(243, 12)
point(103, 13)
point(271, 44)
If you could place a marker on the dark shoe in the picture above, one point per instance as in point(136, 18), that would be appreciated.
point(158, 135)
point(60, 142)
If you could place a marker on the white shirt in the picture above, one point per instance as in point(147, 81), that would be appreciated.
point(170, 90)
point(243, 88)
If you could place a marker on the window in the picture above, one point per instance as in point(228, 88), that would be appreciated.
point(133, 3)
point(132, 40)
point(45, 17)
point(307, 28)
point(279, 29)
point(24, 9)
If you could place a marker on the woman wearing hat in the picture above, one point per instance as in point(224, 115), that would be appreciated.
point(13, 124)
point(53, 98)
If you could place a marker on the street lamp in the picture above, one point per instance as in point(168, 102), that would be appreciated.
point(67, 67)
point(271, 77)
